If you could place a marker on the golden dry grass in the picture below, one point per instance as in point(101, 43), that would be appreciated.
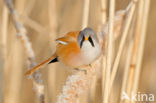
point(130, 57)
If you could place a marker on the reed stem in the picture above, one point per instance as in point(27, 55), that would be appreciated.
point(85, 13)
point(110, 50)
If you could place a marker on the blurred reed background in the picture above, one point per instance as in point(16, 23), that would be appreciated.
point(45, 21)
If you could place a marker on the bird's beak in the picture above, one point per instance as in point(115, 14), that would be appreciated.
point(86, 38)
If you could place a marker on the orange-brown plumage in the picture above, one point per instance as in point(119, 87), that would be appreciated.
point(41, 64)
point(66, 56)
point(75, 49)
point(71, 51)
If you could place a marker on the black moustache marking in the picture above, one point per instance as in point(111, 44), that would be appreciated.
point(91, 41)
point(82, 41)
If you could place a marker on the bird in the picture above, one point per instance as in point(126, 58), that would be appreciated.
point(75, 50)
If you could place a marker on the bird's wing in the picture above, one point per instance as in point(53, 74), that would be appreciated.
point(54, 56)
point(69, 37)
point(62, 40)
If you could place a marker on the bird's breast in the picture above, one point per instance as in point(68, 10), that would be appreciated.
point(90, 53)
point(74, 56)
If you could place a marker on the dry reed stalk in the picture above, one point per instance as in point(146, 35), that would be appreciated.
point(33, 24)
point(103, 60)
point(132, 66)
point(130, 83)
point(110, 47)
point(103, 11)
point(103, 67)
point(1, 84)
point(119, 19)
point(14, 72)
point(1, 80)
point(28, 21)
point(129, 48)
point(77, 84)
point(21, 34)
point(92, 90)
point(126, 69)
point(14, 63)
point(130, 11)
point(85, 13)
point(30, 6)
point(133, 72)
point(4, 30)
point(52, 36)
point(146, 5)
point(103, 37)
point(127, 85)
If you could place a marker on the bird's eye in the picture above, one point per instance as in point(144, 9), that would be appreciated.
point(91, 41)
point(83, 38)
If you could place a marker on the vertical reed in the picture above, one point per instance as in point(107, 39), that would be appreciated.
point(103, 60)
point(132, 65)
point(16, 64)
point(126, 69)
point(109, 51)
point(52, 36)
point(4, 31)
point(146, 4)
point(85, 13)
point(130, 9)
point(21, 34)
point(103, 11)
point(3, 43)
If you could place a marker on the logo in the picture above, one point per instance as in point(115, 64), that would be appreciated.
point(137, 97)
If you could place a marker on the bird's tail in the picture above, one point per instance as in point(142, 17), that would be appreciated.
point(51, 59)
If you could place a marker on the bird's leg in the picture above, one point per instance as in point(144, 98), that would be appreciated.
point(90, 65)
point(85, 71)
